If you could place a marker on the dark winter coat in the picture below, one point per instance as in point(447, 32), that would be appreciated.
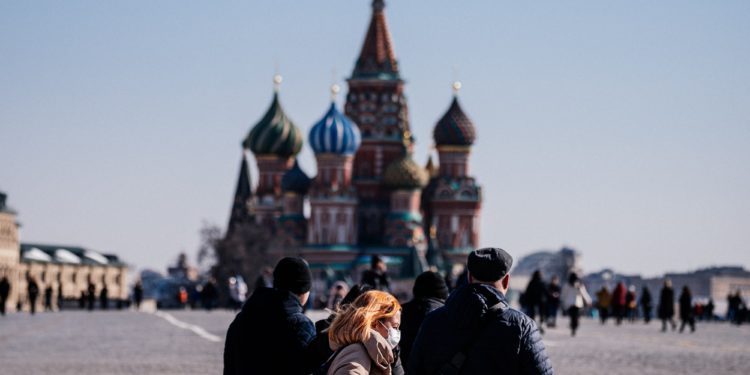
point(412, 315)
point(502, 341)
point(269, 336)
point(376, 280)
point(686, 306)
point(666, 303)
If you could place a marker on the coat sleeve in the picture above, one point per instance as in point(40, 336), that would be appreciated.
point(534, 359)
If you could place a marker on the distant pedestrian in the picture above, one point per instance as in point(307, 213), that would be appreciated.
point(666, 306)
point(336, 294)
point(603, 302)
point(138, 294)
point(60, 298)
point(575, 297)
point(430, 292)
point(553, 301)
point(619, 296)
point(377, 275)
point(477, 332)
point(265, 279)
point(631, 304)
point(647, 304)
point(91, 296)
point(709, 312)
point(82, 300)
point(48, 298)
point(104, 297)
point(182, 297)
point(686, 309)
point(364, 335)
point(4, 293)
point(209, 295)
point(32, 290)
point(270, 335)
point(535, 296)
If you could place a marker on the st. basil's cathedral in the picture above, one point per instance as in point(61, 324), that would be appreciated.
point(369, 196)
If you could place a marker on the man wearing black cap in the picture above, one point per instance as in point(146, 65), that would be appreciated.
point(271, 333)
point(477, 332)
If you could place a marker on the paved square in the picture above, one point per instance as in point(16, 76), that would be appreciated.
point(128, 342)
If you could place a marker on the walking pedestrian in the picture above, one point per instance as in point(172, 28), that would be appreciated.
point(631, 304)
point(619, 296)
point(575, 298)
point(48, 298)
point(91, 296)
point(477, 332)
point(104, 297)
point(534, 297)
point(666, 306)
point(603, 301)
point(553, 301)
point(32, 291)
point(60, 298)
point(686, 309)
point(336, 294)
point(430, 292)
point(209, 294)
point(364, 335)
point(4, 293)
point(646, 304)
point(377, 275)
point(271, 333)
point(138, 294)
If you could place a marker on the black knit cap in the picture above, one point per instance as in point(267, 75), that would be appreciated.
point(430, 285)
point(489, 264)
point(292, 274)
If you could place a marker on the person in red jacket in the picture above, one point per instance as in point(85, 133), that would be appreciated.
point(618, 302)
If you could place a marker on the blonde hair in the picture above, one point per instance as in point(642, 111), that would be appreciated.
point(353, 322)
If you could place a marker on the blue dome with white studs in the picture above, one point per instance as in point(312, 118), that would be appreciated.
point(335, 133)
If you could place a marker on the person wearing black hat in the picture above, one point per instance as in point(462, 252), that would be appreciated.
point(271, 333)
point(430, 292)
point(477, 332)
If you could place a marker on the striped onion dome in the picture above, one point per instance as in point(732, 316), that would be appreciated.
point(335, 133)
point(405, 173)
point(274, 134)
point(295, 180)
point(455, 128)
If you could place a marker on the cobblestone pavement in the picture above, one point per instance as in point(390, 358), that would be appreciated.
point(128, 342)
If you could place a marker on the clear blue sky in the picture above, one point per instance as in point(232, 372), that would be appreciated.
point(620, 128)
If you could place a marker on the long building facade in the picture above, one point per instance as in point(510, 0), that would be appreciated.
point(67, 270)
point(369, 196)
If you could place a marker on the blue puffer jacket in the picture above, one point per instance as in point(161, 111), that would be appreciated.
point(498, 341)
point(269, 336)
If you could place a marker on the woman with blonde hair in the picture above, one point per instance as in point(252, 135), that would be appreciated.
point(364, 334)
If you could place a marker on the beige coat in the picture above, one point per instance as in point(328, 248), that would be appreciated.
point(371, 357)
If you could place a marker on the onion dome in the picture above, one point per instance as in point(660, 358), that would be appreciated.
point(405, 173)
point(295, 180)
point(335, 133)
point(455, 128)
point(274, 134)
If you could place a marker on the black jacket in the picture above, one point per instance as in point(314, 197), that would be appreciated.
point(666, 303)
point(269, 336)
point(412, 315)
point(505, 341)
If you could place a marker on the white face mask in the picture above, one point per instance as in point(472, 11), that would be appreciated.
point(394, 335)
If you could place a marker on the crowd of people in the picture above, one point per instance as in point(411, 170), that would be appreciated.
point(471, 330)
point(54, 301)
point(543, 301)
